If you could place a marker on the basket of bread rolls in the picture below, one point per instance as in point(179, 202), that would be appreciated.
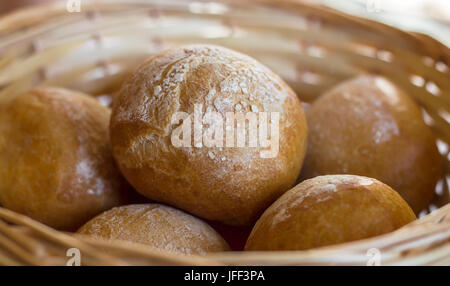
point(220, 132)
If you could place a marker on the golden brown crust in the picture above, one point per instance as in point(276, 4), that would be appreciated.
point(367, 126)
point(232, 185)
point(56, 164)
point(157, 225)
point(329, 210)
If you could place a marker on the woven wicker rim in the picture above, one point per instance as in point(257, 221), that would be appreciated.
point(424, 242)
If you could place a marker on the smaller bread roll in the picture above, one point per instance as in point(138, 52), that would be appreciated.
point(329, 210)
point(56, 164)
point(156, 225)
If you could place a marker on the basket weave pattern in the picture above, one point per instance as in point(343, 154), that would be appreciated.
point(311, 47)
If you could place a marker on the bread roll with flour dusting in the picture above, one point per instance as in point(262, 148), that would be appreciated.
point(156, 225)
point(329, 210)
point(217, 182)
point(367, 126)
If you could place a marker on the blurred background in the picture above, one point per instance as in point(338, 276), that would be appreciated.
point(430, 17)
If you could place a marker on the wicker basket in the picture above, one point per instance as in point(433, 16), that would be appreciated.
point(311, 47)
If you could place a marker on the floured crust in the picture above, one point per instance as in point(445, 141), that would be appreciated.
point(56, 164)
point(367, 126)
point(157, 225)
point(232, 185)
point(329, 210)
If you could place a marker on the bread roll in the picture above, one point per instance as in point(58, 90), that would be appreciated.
point(367, 126)
point(157, 225)
point(56, 164)
point(329, 210)
point(228, 184)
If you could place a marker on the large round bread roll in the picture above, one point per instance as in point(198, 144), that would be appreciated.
point(329, 210)
point(229, 184)
point(367, 126)
point(156, 225)
point(56, 164)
